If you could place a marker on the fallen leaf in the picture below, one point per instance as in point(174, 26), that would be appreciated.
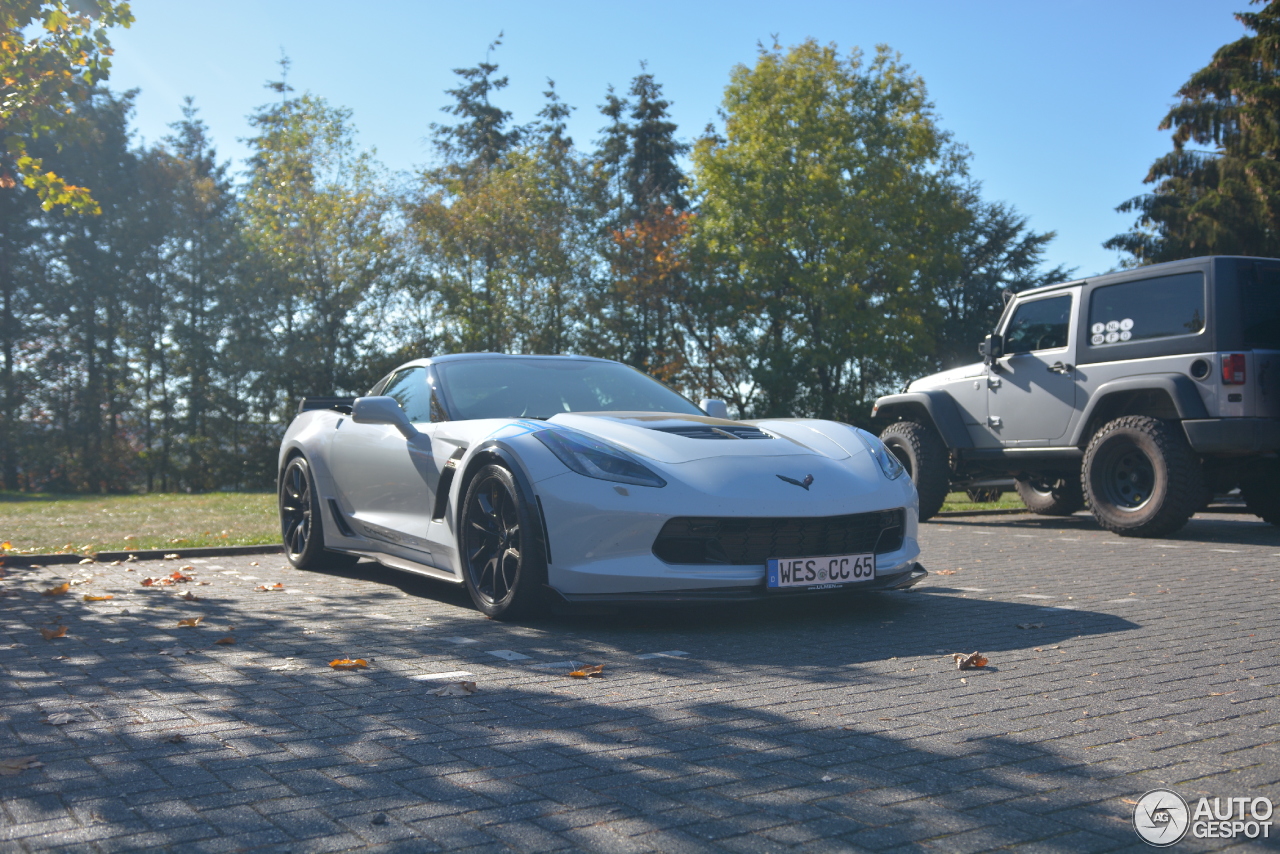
point(1031, 625)
point(226, 641)
point(149, 581)
point(89, 598)
point(204, 583)
point(590, 670)
point(253, 563)
point(187, 568)
point(114, 563)
point(6, 545)
point(189, 597)
point(174, 556)
point(348, 663)
point(190, 622)
point(263, 588)
point(969, 662)
point(455, 689)
point(57, 591)
point(177, 575)
point(50, 634)
point(944, 572)
point(88, 560)
point(130, 558)
point(9, 767)
point(59, 718)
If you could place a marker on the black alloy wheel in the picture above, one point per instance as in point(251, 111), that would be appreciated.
point(504, 564)
point(301, 525)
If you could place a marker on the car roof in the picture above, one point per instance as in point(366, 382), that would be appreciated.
point(1132, 271)
point(476, 357)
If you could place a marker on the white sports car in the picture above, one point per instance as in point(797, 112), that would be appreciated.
point(545, 480)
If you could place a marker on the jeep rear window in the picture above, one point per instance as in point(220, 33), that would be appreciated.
point(1260, 299)
point(1162, 307)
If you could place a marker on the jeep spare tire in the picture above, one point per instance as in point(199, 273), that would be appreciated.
point(922, 453)
point(1141, 477)
point(1051, 494)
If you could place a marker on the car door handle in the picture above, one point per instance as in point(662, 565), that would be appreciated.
point(1061, 368)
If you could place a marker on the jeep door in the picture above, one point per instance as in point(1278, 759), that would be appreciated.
point(1032, 393)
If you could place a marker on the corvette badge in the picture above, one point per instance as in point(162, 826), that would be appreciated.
point(804, 484)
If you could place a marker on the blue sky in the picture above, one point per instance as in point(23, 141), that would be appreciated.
point(1058, 102)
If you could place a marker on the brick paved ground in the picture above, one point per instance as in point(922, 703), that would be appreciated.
point(835, 726)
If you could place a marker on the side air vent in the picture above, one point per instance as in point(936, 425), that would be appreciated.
point(707, 431)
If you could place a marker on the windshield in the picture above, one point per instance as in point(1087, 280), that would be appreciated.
point(541, 388)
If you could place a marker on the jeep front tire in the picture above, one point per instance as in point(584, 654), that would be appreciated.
point(1141, 477)
point(922, 453)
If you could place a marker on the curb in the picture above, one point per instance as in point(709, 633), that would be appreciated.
point(140, 554)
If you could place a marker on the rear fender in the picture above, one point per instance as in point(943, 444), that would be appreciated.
point(1170, 396)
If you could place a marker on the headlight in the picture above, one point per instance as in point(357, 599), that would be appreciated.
point(883, 456)
point(593, 458)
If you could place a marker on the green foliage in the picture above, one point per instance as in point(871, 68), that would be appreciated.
point(825, 211)
point(52, 54)
point(1224, 200)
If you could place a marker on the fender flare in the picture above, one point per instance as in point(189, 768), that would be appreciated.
point(481, 455)
point(1180, 389)
point(938, 405)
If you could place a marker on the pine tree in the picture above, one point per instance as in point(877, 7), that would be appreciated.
point(1223, 199)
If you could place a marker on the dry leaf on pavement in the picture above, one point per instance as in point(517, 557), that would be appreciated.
point(189, 597)
point(174, 556)
point(225, 641)
point(263, 588)
point(971, 661)
point(944, 572)
point(50, 634)
point(589, 670)
point(59, 718)
point(57, 591)
point(455, 689)
point(190, 622)
point(89, 598)
point(9, 767)
point(348, 663)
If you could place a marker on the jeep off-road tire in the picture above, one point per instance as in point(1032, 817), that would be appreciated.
point(924, 456)
point(1261, 494)
point(1051, 494)
point(1141, 477)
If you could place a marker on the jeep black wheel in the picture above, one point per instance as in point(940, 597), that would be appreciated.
point(1141, 477)
point(503, 563)
point(1261, 494)
point(922, 453)
point(1051, 494)
point(301, 525)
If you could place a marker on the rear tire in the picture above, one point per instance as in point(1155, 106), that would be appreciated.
point(1141, 477)
point(503, 561)
point(301, 525)
point(1049, 495)
point(924, 456)
point(1262, 494)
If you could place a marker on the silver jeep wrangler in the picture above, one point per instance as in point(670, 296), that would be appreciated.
point(1143, 393)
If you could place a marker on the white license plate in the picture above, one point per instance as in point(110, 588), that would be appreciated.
point(821, 572)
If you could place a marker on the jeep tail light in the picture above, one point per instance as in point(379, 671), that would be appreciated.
point(1233, 372)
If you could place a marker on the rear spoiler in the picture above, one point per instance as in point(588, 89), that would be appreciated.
point(341, 404)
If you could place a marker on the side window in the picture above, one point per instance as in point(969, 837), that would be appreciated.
point(1162, 307)
point(1039, 325)
point(410, 390)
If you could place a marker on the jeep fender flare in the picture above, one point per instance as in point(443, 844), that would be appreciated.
point(932, 408)
point(1179, 390)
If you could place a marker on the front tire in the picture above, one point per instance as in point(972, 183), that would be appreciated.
point(922, 453)
point(503, 562)
point(301, 525)
point(1049, 495)
point(1141, 477)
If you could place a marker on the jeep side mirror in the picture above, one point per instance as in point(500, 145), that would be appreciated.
point(991, 348)
point(715, 408)
point(382, 410)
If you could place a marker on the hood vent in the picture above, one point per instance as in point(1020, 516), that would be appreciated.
point(707, 431)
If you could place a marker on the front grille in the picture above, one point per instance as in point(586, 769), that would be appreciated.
point(727, 432)
point(740, 541)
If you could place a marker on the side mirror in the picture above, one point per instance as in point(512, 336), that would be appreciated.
point(715, 408)
point(991, 348)
point(382, 410)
